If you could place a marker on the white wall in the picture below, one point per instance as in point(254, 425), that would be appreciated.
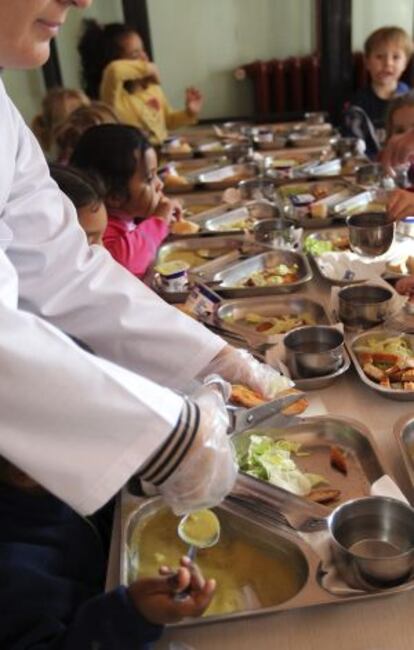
point(368, 15)
point(200, 42)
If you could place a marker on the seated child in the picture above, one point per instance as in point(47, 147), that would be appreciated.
point(68, 132)
point(116, 68)
point(387, 52)
point(138, 212)
point(56, 106)
point(87, 195)
point(400, 115)
point(52, 576)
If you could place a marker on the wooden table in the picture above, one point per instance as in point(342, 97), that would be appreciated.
point(386, 623)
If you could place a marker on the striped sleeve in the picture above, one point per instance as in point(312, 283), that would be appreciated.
point(169, 456)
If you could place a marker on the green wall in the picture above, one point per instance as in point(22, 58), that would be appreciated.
point(368, 15)
point(201, 42)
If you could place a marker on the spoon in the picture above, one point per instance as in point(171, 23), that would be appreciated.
point(199, 530)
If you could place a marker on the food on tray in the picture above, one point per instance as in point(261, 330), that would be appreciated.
point(402, 267)
point(270, 325)
point(271, 460)
point(307, 198)
point(244, 396)
point(196, 208)
point(388, 362)
point(324, 495)
point(172, 179)
point(195, 257)
point(317, 246)
point(184, 227)
point(276, 274)
point(338, 459)
point(177, 146)
point(240, 568)
point(319, 211)
point(240, 224)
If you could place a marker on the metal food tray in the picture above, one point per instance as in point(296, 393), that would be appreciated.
point(256, 209)
point(228, 176)
point(237, 245)
point(317, 435)
point(327, 235)
point(229, 279)
point(238, 309)
point(260, 532)
point(404, 432)
point(395, 394)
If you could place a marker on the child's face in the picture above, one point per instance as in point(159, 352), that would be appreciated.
point(132, 47)
point(386, 64)
point(402, 120)
point(93, 218)
point(145, 187)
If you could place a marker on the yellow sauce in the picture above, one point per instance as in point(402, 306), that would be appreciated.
point(201, 528)
point(247, 576)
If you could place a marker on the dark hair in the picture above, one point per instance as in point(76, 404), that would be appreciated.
point(407, 99)
point(82, 189)
point(98, 46)
point(111, 151)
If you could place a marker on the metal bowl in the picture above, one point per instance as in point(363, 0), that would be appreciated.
point(257, 188)
point(370, 233)
point(314, 350)
point(278, 233)
point(363, 306)
point(372, 541)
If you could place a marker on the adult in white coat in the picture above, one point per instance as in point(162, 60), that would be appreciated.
point(82, 425)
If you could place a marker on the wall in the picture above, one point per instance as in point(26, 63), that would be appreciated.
point(368, 15)
point(209, 39)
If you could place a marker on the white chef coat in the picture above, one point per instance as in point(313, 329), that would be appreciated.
point(79, 425)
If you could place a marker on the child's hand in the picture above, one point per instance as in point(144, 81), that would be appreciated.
point(155, 598)
point(401, 204)
point(405, 286)
point(193, 101)
point(168, 209)
point(399, 149)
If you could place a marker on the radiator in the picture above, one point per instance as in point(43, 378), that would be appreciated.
point(293, 84)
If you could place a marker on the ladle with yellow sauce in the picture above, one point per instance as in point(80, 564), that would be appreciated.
point(200, 529)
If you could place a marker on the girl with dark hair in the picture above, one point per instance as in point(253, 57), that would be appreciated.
point(117, 69)
point(87, 195)
point(138, 212)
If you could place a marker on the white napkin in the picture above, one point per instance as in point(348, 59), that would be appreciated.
point(319, 542)
point(337, 266)
point(396, 304)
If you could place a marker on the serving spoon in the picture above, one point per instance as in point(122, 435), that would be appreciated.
point(199, 530)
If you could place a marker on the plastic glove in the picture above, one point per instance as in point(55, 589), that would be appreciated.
point(240, 367)
point(208, 471)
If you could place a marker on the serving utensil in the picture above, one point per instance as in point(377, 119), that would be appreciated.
point(186, 531)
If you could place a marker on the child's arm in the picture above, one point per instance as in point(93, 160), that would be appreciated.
point(118, 72)
point(136, 249)
point(175, 119)
point(401, 204)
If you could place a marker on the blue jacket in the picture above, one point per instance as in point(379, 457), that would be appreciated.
point(52, 571)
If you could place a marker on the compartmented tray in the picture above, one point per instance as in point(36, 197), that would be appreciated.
point(340, 198)
point(292, 566)
point(231, 314)
point(241, 218)
point(318, 435)
point(229, 280)
point(404, 432)
point(379, 334)
point(228, 176)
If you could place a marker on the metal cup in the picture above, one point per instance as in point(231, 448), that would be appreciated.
point(370, 233)
point(314, 350)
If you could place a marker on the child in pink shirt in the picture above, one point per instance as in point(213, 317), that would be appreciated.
point(138, 212)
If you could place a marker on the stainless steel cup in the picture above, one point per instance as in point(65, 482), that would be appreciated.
point(314, 350)
point(370, 233)
point(363, 306)
point(372, 541)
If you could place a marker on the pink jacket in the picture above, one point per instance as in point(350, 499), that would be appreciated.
point(134, 245)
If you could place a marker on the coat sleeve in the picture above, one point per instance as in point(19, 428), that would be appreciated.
point(175, 119)
point(116, 74)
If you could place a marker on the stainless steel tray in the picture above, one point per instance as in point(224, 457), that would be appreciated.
point(395, 394)
point(317, 435)
point(236, 246)
point(260, 532)
point(229, 279)
point(228, 176)
point(232, 311)
point(404, 432)
point(255, 210)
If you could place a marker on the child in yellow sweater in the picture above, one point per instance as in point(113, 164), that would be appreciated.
point(117, 69)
